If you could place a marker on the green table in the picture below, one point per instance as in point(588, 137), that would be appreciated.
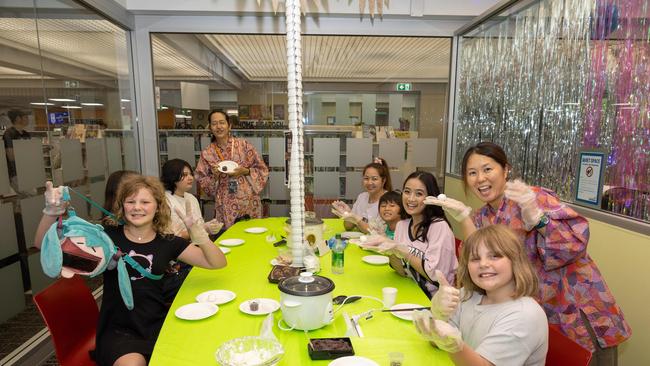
point(183, 342)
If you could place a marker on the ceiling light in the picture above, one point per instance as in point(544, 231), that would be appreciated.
point(41, 103)
point(70, 107)
point(62, 100)
point(182, 116)
point(163, 107)
point(93, 104)
point(125, 100)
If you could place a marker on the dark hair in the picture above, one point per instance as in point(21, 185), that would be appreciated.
point(112, 184)
point(172, 173)
point(384, 172)
point(15, 113)
point(486, 148)
point(394, 197)
point(212, 139)
point(431, 213)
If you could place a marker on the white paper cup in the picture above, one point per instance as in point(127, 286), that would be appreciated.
point(389, 295)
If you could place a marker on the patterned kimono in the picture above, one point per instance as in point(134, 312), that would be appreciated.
point(569, 279)
point(246, 200)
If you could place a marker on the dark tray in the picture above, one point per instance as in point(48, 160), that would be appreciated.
point(329, 348)
point(279, 273)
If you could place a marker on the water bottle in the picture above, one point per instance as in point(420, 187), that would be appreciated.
point(338, 255)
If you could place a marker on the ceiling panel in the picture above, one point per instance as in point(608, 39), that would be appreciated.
point(339, 58)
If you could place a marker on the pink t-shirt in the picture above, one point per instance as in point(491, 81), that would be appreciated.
point(437, 253)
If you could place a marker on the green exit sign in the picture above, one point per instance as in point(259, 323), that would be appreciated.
point(403, 86)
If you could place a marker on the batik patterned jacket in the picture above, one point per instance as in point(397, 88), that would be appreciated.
point(246, 200)
point(570, 282)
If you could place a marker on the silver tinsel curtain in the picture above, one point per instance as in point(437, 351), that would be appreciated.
point(556, 77)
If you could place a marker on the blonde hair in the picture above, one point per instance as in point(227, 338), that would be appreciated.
point(503, 241)
point(131, 185)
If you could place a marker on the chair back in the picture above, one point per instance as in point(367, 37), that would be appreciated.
point(459, 246)
point(563, 351)
point(70, 313)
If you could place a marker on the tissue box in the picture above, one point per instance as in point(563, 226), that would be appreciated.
point(329, 348)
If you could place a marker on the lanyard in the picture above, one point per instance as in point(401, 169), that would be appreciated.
point(218, 150)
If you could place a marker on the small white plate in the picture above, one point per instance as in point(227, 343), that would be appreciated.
point(256, 230)
point(216, 297)
point(353, 361)
point(227, 166)
point(375, 259)
point(266, 306)
point(351, 235)
point(406, 315)
point(274, 262)
point(232, 242)
point(196, 311)
point(225, 250)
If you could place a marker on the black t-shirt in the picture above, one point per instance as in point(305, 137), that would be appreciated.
point(145, 320)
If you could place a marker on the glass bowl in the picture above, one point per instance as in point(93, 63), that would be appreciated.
point(249, 351)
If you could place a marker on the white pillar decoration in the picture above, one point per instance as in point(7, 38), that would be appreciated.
point(296, 164)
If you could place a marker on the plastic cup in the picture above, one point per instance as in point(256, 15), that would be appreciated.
point(389, 294)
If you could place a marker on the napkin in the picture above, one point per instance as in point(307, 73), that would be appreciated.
point(266, 330)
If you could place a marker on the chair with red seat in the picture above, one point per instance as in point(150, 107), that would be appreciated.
point(562, 350)
point(70, 313)
point(459, 246)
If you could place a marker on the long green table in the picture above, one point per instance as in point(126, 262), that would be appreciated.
point(183, 342)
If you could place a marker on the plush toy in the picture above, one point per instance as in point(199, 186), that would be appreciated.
point(75, 246)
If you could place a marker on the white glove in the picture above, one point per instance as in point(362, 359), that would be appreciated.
point(377, 226)
point(342, 210)
point(213, 226)
point(444, 335)
point(521, 193)
point(198, 235)
point(382, 244)
point(445, 302)
point(456, 209)
point(54, 203)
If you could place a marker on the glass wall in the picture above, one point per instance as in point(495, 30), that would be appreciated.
point(563, 86)
point(66, 115)
point(364, 96)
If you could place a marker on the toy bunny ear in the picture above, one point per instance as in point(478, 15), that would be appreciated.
point(125, 284)
point(51, 255)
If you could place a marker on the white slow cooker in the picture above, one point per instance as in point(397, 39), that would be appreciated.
point(306, 301)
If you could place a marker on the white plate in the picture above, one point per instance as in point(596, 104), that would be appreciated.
point(351, 235)
point(225, 250)
point(375, 259)
point(256, 230)
point(266, 306)
point(227, 166)
point(232, 242)
point(216, 297)
point(353, 361)
point(196, 311)
point(274, 262)
point(406, 315)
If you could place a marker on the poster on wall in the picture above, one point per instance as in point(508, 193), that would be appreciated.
point(590, 177)
point(278, 111)
point(243, 112)
point(255, 111)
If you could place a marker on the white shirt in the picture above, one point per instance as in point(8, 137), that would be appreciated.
point(364, 208)
point(509, 333)
point(174, 202)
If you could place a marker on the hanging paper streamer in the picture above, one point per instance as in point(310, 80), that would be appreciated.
point(556, 77)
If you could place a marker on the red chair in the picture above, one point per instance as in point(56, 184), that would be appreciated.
point(563, 351)
point(70, 312)
point(459, 246)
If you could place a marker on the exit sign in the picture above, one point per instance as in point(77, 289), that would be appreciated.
point(403, 86)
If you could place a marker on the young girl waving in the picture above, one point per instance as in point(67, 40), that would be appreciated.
point(493, 319)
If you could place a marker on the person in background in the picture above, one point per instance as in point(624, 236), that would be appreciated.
point(237, 192)
point(572, 291)
point(376, 182)
point(424, 241)
point(177, 177)
point(127, 337)
point(493, 319)
point(112, 185)
point(19, 121)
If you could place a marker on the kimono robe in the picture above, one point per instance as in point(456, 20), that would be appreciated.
point(246, 200)
point(569, 280)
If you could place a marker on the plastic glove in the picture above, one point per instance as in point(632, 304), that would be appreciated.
point(521, 193)
point(343, 211)
point(384, 245)
point(456, 209)
point(377, 226)
point(213, 226)
point(444, 335)
point(54, 203)
point(445, 302)
point(198, 235)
